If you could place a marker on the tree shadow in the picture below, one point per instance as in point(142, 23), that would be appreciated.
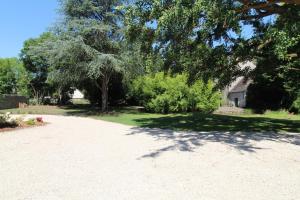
point(237, 132)
point(189, 141)
point(216, 122)
point(4, 125)
point(90, 110)
point(81, 110)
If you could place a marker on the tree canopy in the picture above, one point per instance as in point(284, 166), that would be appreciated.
point(89, 40)
point(99, 43)
point(36, 65)
point(13, 77)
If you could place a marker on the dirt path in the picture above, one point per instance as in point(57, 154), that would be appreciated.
point(78, 158)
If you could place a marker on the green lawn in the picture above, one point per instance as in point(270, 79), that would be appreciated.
point(270, 121)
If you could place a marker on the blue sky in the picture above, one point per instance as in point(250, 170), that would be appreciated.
point(23, 19)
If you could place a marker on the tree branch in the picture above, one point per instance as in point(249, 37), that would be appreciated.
point(264, 8)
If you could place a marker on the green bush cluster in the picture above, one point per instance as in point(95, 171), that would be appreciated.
point(296, 105)
point(162, 93)
point(31, 122)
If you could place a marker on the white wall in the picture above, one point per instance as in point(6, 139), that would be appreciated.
point(77, 95)
point(241, 97)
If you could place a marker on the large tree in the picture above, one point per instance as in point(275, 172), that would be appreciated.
point(200, 37)
point(37, 66)
point(87, 48)
point(277, 51)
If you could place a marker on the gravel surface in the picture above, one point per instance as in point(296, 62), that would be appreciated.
point(85, 159)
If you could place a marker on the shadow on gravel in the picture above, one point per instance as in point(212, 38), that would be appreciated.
point(189, 141)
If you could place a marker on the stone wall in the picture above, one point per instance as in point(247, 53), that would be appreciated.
point(12, 101)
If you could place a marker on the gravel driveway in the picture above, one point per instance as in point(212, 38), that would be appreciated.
point(84, 159)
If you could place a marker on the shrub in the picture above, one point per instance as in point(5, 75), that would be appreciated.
point(40, 119)
point(33, 102)
point(163, 94)
point(202, 97)
point(296, 105)
point(30, 122)
point(6, 121)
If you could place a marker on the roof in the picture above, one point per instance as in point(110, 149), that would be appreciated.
point(242, 85)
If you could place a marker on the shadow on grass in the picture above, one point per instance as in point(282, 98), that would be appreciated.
point(214, 122)
point(80, 110)
point(89, 110)
point(237, 132)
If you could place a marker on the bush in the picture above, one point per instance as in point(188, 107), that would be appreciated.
point(296, 105)
point(30, 122)
point(6, 121)
point(163, 94)
point(33, 102)
point(203, 97)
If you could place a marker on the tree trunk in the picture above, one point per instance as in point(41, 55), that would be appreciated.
point(35, 94)
point(104, 94)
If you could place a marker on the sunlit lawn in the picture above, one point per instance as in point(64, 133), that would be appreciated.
point(270, 121)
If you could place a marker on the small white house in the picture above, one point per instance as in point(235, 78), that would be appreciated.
point(77, 95)
point(235, 94)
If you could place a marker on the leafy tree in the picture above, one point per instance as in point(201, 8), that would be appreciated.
point(87, 48)
point(201, 38)
point(37, 66)
point(277, 49)
point(13, 77)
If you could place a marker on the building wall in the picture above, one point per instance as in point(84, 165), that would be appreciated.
point(77, 95)
point(11, 101)
point(240, 96)
point(229, 96)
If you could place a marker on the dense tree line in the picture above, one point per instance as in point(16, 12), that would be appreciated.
point(276, 48)
point(105, 48)
point(13, 77)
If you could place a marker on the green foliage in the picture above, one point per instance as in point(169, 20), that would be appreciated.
point(188, 36)
point(163, 94)
point(276, 77)
point(102, 46)
point(86, 52)
point(203, 97)
point(203, 39)
point(30, 122)
point(36, 65)
point(296, 105)
point(285, 45)
point(13, 77)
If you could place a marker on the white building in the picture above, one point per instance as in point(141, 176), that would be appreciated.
point(235, 94)
point(77, 95)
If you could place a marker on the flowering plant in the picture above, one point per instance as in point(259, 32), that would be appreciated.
point(39, 119)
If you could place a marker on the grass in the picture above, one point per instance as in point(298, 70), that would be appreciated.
point(270, 121)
